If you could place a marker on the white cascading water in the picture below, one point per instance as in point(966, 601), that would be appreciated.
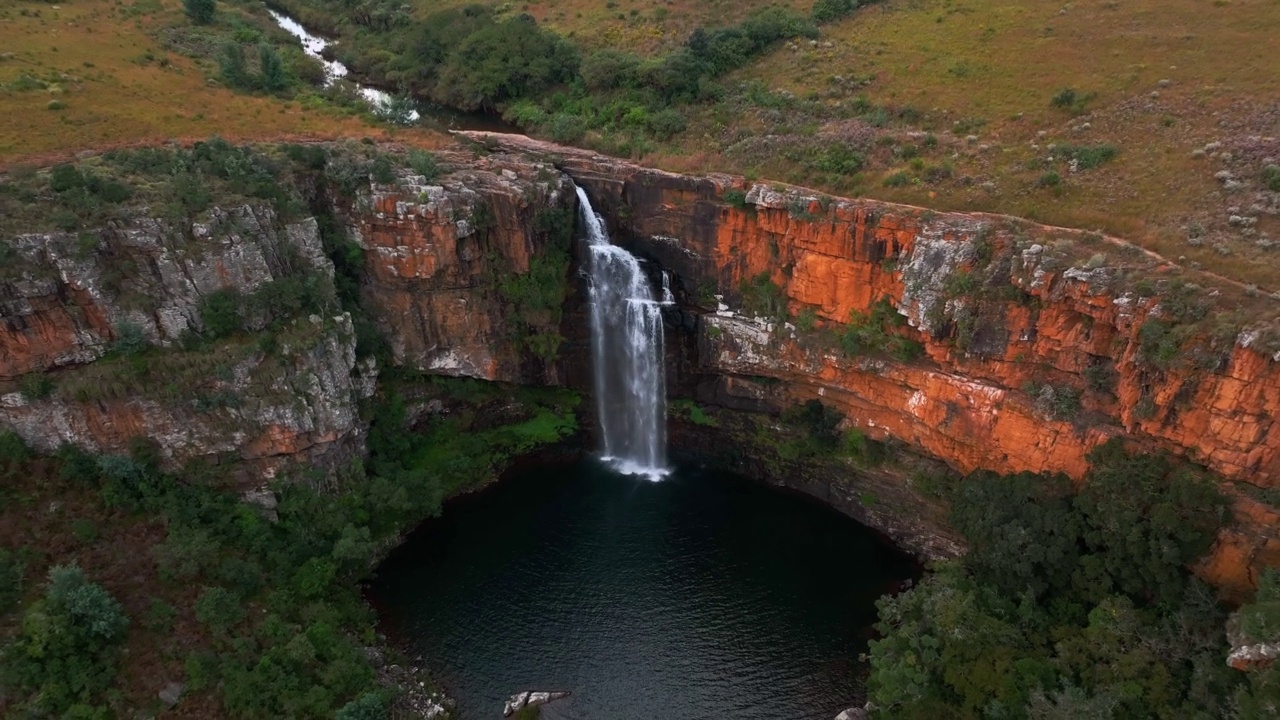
point(626, 351)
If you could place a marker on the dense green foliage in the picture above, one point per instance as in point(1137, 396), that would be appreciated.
point(1068, 605)
point(876, 332)
point(278, 599)
point(1271, 177)
point(825, 11)
point(534, 299)
point(468, 59)
point(67, 653)
point(200, 11)
point(481, 58)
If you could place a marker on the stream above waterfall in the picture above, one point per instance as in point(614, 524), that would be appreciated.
point(704, 595)
point(380, 100)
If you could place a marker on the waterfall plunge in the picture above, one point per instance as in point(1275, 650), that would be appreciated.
point(626, 351)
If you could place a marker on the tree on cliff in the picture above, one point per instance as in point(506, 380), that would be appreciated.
point(200, 11)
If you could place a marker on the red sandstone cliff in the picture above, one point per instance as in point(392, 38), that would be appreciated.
point(1003, 308)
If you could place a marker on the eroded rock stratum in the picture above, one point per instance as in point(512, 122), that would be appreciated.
point(1038, 343)
point(1021, 347)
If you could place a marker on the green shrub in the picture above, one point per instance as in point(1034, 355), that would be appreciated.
point(1088, 157)
point(200, 11)
point(566, 128)
point(219, 609)
point(666, 124)
point(13, 453)
point(66, 654)
point(425, 164)
point(271, 70)
point(130, 340)
point(762, 297)
point(824, 11)
point(1050, 179)
point(232, 68)
point(35, 385)
point(1271, 177)
point(898, 179)
point(221, 312)
point(1065, 98)
point(77, 466)
point(840, 159)
point(610, 69)
point(370, 706)
point(11, 571)
point(736, 198)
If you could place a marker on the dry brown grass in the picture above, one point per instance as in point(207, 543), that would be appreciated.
point(642, 26)
point(998, 65)
point(94, 55)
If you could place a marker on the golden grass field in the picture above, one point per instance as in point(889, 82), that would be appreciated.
point(103, 62)
point(998, 65)
point(1163, 79)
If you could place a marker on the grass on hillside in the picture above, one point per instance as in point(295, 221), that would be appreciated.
point(962, 115)
point(90, 74)
point(646, 27)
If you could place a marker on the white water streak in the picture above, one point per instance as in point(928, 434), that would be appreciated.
point(627, 354)
point(314, 45)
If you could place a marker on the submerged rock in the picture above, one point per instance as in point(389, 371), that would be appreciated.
point(519, 701)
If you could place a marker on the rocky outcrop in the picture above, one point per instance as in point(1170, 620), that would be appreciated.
point(437, 251)
point(298, 404)
point(436, 255)
point(68, 294)
point(1033, 348)
point(520, 701)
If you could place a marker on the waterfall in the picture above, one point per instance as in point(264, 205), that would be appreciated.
point(626, 352)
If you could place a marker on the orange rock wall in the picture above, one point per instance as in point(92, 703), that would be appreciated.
point(968, 408)
point(433, 253)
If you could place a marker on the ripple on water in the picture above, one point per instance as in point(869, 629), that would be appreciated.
point(700, 596)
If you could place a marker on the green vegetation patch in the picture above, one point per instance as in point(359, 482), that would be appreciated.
point(1069, 604)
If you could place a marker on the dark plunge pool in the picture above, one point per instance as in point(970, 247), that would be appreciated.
point(701, 596)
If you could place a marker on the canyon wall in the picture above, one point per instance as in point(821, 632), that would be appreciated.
point(102, 334)
point(983, 341)
point(436, 254)
point(1036, 344)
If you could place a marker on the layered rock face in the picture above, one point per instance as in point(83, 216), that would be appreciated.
point(1031, 357)
point(434, 253)
point(74, 295)
point(64, 302)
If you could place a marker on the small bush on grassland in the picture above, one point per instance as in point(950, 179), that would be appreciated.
point(1271, 177)
point(1088, 157)
point(200, 11)
point(898, 179)
point(824, 11)
point(424, 163)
